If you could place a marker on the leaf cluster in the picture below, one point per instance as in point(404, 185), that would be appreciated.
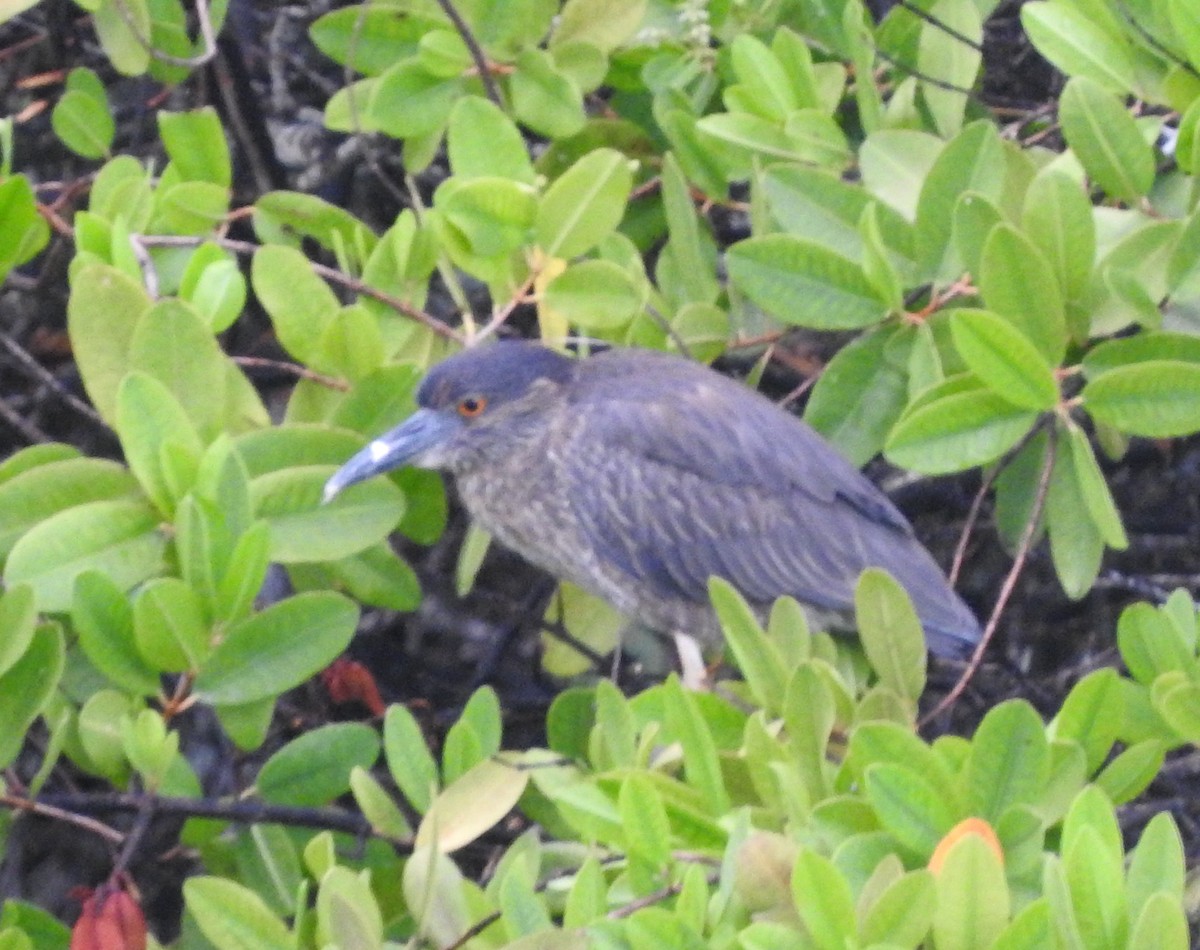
point(1013, 308)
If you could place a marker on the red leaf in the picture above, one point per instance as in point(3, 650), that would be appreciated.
point(348, 681)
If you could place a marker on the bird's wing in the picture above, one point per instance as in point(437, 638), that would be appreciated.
point(681, 474)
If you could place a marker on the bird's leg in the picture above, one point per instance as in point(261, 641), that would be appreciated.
point(692, 669)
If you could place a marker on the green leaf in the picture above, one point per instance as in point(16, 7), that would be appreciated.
point(810, 715)
point(231, 915)
point(1079, 45)
point(408, 101)
point(121, 538)
point(304, 530)
point(472, 805)
point(943, 54)
point(594, 296)
point(895, 164)
point(190, 207)
point(195, 144)
point(1093, 715)
point(814, 204)
point(314, 768)
point(700, 763)
point(284, 217)
point(1162, 925)
point(492, 215)
point(1094, 876)
point(648, 832)
point(1057, 217)
point(877, 266)
point(149, 418)
point(18, 620)
point(377, 576)
point(584, 204)
point(215, 288)
point(1149, 644)
point(903, 912)
point(300, 304)
point(23, 232)
point(762, 79)
point(859, 396)
point(958, 430)
point(1094, 490)
point(972, 161)
point(102, 616)
point(1131, 771)
point(606, 25)
point(437, 895)
point(802, 282)
point(348, 913)
point(757, 656)
point(27, 687)
point(975, 216)
point(1076, 545)
point(890, 633)
point(823, 898)
point(1009, 762)
point(483, 142)
point(1017, 283)
point(82, 117)
point(277, 649)
point(909, 806)
point(103, 311)
point(544, 97)
point(1004, 359)
point(1106, 139)
point(1156, 865)
point(973, 897)
point(408, 758)
point(175, 346)
point(32, 496)
point(1156, 398)
point(171, 630)
point(377, 806)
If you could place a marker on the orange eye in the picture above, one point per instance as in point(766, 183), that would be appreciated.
point(471, 407)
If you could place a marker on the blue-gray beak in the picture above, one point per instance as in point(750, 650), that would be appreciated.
point(421, 431)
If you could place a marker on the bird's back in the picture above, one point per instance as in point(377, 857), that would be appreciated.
point(677, 473)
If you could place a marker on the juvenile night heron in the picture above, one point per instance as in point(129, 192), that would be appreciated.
point(639, 475)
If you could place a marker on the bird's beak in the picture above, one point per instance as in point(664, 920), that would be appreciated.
point(421, 431)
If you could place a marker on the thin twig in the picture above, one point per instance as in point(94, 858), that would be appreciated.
point(931, 19)
point(74, 806)
point(206, 34)
point(46, 378)
point(989, 480)
point(472, 44)
point(294, 369)
point(1007, 588)
point(329, 273)
point(47, 810)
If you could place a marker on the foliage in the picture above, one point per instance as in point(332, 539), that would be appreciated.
point(1007, 304)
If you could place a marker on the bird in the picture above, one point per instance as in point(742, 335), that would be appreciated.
point(638, 475)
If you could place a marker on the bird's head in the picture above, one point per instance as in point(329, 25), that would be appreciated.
point(471, 405)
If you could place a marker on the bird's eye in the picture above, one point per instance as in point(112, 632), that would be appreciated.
point(471, 406)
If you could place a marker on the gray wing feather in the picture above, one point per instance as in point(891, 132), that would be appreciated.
point(681, 474)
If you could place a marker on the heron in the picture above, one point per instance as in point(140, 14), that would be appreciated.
point(638, 475)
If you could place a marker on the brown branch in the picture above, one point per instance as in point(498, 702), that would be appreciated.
point(477, 55)
point(75, 806)
point(294, 369)
point(329, 273)
point(59, 813)
point(960, 550)
point(1006, 589)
